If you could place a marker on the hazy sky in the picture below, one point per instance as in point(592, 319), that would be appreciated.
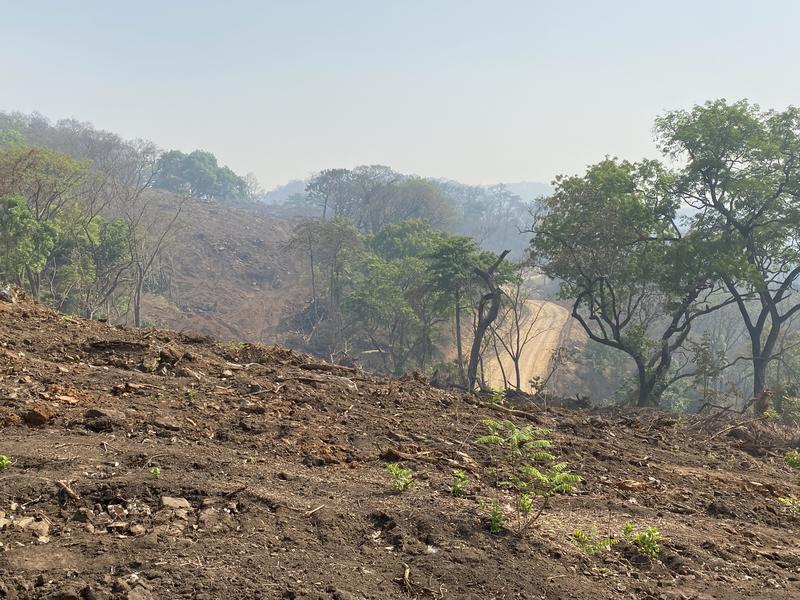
point(475, 91)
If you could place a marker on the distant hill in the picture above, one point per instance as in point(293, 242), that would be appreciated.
point(282, 193)
point(530, 190)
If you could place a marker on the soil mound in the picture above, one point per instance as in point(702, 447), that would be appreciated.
point(151, 464)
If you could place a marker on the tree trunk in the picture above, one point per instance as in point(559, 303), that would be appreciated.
point(459, 350)
point(484, 319)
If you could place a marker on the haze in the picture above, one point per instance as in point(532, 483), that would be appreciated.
point(474, 91)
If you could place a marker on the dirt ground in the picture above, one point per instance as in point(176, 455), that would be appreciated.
point(272, 482)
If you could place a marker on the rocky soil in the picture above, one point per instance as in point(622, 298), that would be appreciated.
point(150, 464)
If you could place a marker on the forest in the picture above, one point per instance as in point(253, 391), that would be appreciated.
point(681, 273)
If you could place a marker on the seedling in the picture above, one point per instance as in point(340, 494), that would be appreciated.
point(460, 480)
point(155, 472)
point(496, 518)
point(521, 449)
point(792, 458)
point(5, 462)
point(646, 542)
point(792, 503)
point(190, 392)
point(591, 543)
point(498, 396)
point(401, 477)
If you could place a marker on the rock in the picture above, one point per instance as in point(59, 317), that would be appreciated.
point(184, 372)
point(168, 424)
point(7, 593)
point(89, 593)
point(169, 354)
point(175, 503)
point(40, 528)
point(139, 593)
point(137, 530)
point(24, 522)
point(64, 594)
point(7, 294)
point(120, 586)
point(83, 515)
point(39, 414)
point(227, 374)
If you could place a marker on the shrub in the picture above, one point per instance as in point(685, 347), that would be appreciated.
point(791, 502)
point(401, 477)
point(590, 542)
point(516, 466)
point(646, 542)
point(460, 480)
point(792, 458)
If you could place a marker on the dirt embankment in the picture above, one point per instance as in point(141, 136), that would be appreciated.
point(272, 483)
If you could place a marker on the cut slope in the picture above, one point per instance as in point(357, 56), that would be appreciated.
point(272, 483)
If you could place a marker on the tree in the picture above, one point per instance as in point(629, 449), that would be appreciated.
point(452, 267)
point(636, 280)
point(740, 176)
point(488, 307)
point(25, 243)
point(518, 323)
point(199, 175)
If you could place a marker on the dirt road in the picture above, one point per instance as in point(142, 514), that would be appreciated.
point(551, 321)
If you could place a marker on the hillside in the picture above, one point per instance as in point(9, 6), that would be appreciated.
point(227, 274)
point(272, 482)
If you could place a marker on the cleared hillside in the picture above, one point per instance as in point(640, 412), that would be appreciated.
point(272, 482)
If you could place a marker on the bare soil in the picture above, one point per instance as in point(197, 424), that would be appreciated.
point(272, 482)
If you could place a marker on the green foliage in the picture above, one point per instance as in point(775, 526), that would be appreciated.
point(591, 543)
point(498, 396)
point(199, 175)
point(401, 477)
point(155, 472)
point(791, 502)
point(496, 518)
point(25, 243)
point(646, 542)
point(519, 451)
point(792, 458)
point(5, 462)
point(460, 481)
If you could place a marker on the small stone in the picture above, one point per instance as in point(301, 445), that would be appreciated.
point(39, 414)
point(168, 424)
point(175, 503)
point(83, 515)
point(137, 530)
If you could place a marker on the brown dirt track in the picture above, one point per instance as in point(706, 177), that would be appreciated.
point(281, 461)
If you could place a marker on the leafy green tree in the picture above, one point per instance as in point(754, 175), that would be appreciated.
point(198, 174)
point(637, 280)
point(740, 177)
point(26, 243)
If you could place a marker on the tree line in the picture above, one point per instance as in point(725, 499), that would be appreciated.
point(645, 251)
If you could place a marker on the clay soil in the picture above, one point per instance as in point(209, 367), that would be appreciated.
point(273, 482)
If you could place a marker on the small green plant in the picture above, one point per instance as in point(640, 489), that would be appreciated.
point(5, 462)
point(711, 457)
point(498, 396)
point(590, 541)
point(459, 485)
point(496, 519)
point(190, 392)
point(155, 472)
point(401, 477)
point(521, 448)
point(792, 503)
point(792, 458)
point(234, 345)
point(646, 542)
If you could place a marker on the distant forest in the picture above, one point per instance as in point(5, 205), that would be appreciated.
point(683, 273)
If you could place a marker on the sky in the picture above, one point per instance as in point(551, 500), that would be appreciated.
point(480, 92)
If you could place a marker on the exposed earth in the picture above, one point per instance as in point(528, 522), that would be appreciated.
point(272, 482)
